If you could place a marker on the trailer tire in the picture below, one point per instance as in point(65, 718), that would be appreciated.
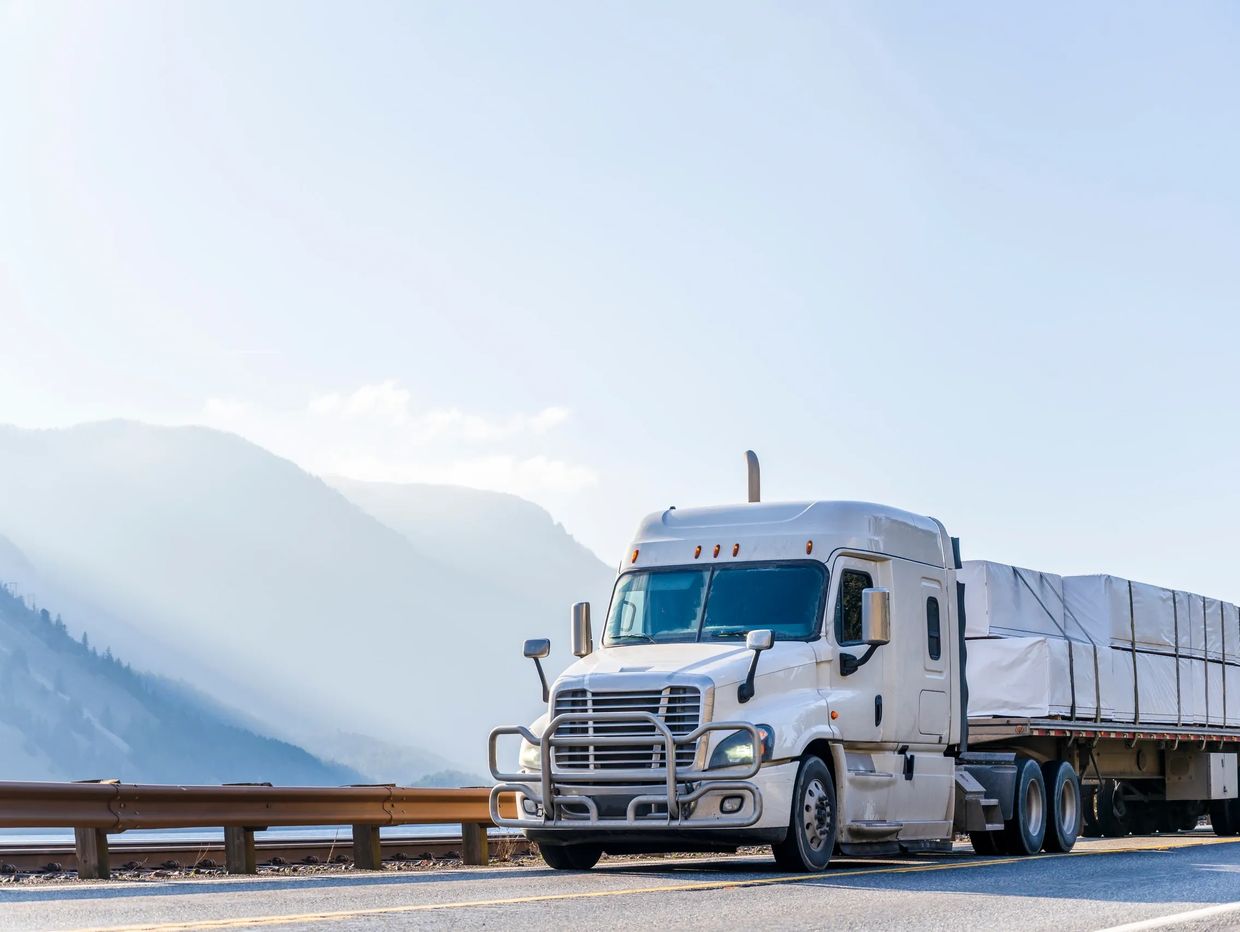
point(1114, 814)
point(986, 842)
point(570, 857)
point(1064, 812)
point(812, 823)
point(1089, 811)
point(1024, 833)
point(1225, 817)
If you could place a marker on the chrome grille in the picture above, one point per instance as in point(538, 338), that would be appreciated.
point(678, 707)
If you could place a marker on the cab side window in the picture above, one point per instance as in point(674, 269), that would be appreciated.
point(934, 634)
point(848, 606)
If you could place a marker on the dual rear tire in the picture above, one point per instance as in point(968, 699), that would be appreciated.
point(1047, 812)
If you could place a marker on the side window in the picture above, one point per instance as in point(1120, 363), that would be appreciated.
point(848, 606)
point(934, 637)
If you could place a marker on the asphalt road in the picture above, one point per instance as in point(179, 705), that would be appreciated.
point(1194, 880)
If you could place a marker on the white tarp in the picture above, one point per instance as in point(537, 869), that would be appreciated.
point(1032, 639)
point(1011, 601)
point(1030, 677)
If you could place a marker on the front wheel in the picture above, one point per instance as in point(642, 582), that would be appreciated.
point(813, 821)
point(570, 857)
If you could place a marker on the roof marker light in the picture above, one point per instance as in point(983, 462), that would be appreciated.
point(634, 557)
point(809, 547)
point(716, 550)
point(736, 548)
point(697, 551)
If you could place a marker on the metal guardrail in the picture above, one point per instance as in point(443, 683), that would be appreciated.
point(94, 810)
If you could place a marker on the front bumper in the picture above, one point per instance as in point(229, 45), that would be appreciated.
point(646, 799)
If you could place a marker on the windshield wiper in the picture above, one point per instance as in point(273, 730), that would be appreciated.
point(644, 638)
point(720, 635)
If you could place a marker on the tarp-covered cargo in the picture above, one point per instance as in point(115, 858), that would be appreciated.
point(1098, 648)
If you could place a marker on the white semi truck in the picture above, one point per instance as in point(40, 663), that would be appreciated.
point(794, 675)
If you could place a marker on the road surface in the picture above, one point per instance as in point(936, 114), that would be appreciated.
point(1191, 882)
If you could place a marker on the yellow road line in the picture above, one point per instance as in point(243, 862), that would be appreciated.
point(253, 921)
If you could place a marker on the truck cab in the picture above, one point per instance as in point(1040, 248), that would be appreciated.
point(766, 673)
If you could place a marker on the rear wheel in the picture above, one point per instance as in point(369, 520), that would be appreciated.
point(1113, 812)
point(1063, 818)
point(813, 821)
point(570, 857)
point(1225, 817)
point(1089, 805)
point(1026, 830)
point(985, 842)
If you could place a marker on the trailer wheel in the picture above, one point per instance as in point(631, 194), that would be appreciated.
point(813, 821)
point(1225, 817)
point(1089, 810)
point(1024, 832)
point(986, 842)
point(1114, 816)
point(570, 857)
point(1063, 818)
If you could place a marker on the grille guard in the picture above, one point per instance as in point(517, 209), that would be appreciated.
point(707, 780)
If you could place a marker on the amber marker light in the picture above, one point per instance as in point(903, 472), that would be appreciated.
point(716, 550)
point(809, 547)
point(834, 715)
point(736, 548)
point(697, 551)
point(634, 557)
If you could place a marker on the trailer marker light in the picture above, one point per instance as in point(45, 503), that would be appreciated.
point(736, 548)
point(697, 551)
point(635, 553)
point(716, 550)
point(809, 547)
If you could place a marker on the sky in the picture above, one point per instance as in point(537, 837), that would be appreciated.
point(979, 261)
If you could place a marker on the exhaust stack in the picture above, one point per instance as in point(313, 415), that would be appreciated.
point(755, 478)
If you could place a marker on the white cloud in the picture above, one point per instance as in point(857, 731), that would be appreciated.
point(224, 410)
point(377, 433)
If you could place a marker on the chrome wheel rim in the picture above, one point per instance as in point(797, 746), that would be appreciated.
point(816, 814)
point(1069, 808)
point(1033, 807)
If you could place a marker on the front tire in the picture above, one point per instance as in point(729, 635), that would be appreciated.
point(813, 822)
point(570, 857)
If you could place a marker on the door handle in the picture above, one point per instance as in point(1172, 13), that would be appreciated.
point(878, 710)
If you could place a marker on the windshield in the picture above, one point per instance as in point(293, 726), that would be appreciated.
point(720, 603)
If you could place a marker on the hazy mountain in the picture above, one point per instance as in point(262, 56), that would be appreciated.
point(212, 560)
point(511, 542)
point(71, 712)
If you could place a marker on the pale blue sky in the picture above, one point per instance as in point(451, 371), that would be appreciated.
point(980, 261)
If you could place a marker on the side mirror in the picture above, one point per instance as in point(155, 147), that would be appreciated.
point(537, 649)
point(756, 641)
point(582, 637)
point(760, 640)
point(876, 617)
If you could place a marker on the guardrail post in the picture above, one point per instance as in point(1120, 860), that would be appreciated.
point(239, 854)
point(367, 854)
point(92, 853)
point(474, 844)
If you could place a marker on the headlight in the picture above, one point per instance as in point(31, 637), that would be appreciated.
point(736, 750)
point(530, 757)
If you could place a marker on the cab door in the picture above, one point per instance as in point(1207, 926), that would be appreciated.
point(859, 700)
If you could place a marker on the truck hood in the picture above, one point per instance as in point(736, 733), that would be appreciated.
point(724, 664)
